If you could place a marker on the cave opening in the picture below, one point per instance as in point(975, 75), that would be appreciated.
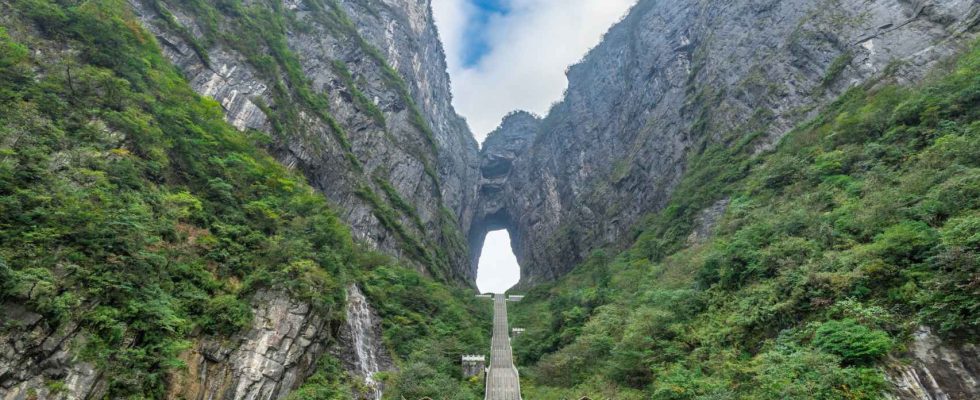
point(497, 267)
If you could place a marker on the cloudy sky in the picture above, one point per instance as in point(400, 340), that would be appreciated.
point(506, 55)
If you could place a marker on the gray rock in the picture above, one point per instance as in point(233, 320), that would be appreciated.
point(705, 222)
point(36, 354)
point(500, 149)
point(395, 150)
point(674, 76)
point(932, 369)
point(263, 363)
point(360, 343)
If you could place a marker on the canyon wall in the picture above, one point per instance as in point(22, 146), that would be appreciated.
point(674, 77)
point(353, 94)
point(385, 146)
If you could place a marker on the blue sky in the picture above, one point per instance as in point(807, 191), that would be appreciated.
point(475, 41)
point(506, 55)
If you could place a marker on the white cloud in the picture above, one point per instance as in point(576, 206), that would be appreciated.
point(498, 269)
point(529, 49)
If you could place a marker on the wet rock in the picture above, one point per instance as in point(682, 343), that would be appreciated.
point(361, 345)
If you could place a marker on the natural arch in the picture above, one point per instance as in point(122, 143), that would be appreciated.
point(497, 269)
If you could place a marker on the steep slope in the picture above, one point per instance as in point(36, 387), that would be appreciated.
point(843, 263)
point(675, 77)
point(150, 249)
point(355, 95)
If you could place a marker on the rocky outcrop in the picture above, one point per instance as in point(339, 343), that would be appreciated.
point(390, 152)
point(500, 149)
point(406, 33)
point(274, 356)
point(36, 360)
point(279, 351)
point(932, 369)
point(705, 222)
point(676, 76)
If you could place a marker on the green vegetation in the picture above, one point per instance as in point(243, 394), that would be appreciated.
point(861, 226)
point(130, 208)
point(423, 325)
point(836, 68)
point(340, 23)
point(850, 340)
point(360, 99)
point(328, 383)
point(259, 31)
point(199, 49)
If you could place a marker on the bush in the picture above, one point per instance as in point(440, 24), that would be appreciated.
point(325, 384)
point(853, 342)
point(793, 372)
point(6, 279)
point(226, 315)
point(963, 233)
point(906, 243)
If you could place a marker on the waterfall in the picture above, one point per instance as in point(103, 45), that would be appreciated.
point(361, 322)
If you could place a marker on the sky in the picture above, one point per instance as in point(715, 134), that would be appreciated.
point(507, 55)
point(498, 269)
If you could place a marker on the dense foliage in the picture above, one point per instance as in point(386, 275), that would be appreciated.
point(259, 31)
point(859, 228)
point(132, 213)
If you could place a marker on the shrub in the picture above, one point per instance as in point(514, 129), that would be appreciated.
point(963, 232)
point(6, 279)
point(853, 342)
point(226, 315)
point(792, 372)
point(906, 243)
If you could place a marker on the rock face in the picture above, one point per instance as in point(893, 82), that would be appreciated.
point(705, 222)
point(406, 32)
point(500, 150)
point(934, 370)
point(675, 76)
point(390, 151)
point(33, 354)
point(276, 354)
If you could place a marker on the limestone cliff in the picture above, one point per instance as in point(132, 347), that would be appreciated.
point(497, 192)
point(675, 76)
point(355, 95)
point(273, 357)
point(359, 102)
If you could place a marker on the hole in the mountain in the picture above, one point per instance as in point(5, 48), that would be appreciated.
point(497, 270)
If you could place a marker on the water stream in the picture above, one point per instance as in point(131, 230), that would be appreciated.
point(361, 322)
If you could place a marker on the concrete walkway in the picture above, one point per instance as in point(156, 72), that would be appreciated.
point(503, 382)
